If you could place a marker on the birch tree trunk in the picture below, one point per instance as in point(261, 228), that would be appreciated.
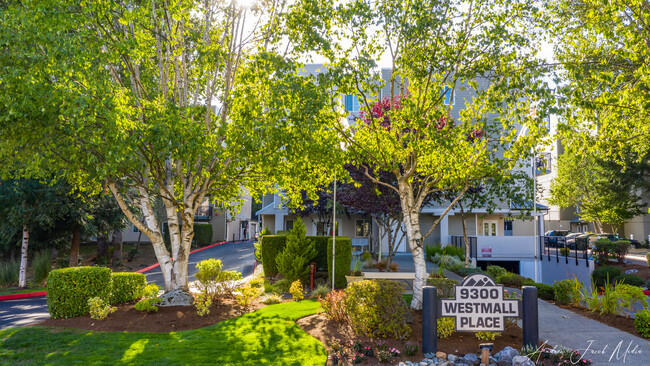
point(411, 213)
point(22, 277)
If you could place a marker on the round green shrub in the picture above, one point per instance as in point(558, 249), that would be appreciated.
point(602, 275)
point(510, 279)
point(495, 271)
point(377, 309)
point(544, 291)
point(642, 323)
point(126, 286)
point(568, 291)
point(343, 260)
point(628, 279)
point(68, 289)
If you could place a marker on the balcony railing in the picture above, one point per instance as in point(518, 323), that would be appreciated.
point(203, 213)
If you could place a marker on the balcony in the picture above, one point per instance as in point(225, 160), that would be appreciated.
point(203, 213)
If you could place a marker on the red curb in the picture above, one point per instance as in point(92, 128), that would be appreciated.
point(44, 293)
point(647, 292)
point(22, 296)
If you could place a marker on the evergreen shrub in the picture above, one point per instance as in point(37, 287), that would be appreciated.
point(271, 246)
point(203, 234)
point(69, 289)
point(343, 260)
point(293, 261)
point(126, 286)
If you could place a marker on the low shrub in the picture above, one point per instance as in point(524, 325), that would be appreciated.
point(410, 348)
point(529, 282)
point(446, 327)
point(628, 279)
point(99, 309)
point(42, 265)
point(452, 250)
point(320, 291)
point(68, 289)
point(9, 273)
point(444, 286)
point(257, 282)
point(296, 290)
point(147, 305)
point(247, 293)
point(447, 261)
point(621, 248)
point(202, 302)
point(270, 299)
point(510, 279)
point(150, 291)
point(282, 286)
point(603, 274)
point(377, 309)
point(214, 282)
point(465, 271)
point(630, 297)
point(366, 256)
point(333, 305)
point(642, 323)
point(568, 291)
point(495, 271)
point(431, 251)
point(487, 336)
point(544, 291)
point(343, 260)
point(126, 286)
point(604, 250)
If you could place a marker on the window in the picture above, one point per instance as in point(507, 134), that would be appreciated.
point(135, 229)
point(351, 103)
point(204, 212)
point(288, 226)
point(324, 228)
point(490, 228)
point(362, 228)
point(507, 228)
point(448, 93)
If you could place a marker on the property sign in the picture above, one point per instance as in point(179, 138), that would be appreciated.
point(486, 252)
point(479, 305)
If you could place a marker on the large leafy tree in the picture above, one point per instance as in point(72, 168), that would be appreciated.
point(603, 75)
point(433, 46)
point(159, 100)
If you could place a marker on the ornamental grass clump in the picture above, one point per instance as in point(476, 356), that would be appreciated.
point(377, 309)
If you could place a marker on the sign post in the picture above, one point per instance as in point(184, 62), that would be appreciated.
point(478, 306)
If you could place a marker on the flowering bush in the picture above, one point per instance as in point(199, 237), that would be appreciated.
point(384, 356)
point(368, 352)
point(410, 348)
point(334, 305)
point(357, 346)
point(357, 358)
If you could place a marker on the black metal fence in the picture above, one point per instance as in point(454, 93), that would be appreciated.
point(558, 247)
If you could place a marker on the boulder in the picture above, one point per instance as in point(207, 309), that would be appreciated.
point(471, 359)
point(506, 355)
point(176, 298)
point(522, 361)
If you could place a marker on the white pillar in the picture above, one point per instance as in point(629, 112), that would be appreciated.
point(279, 222)
point(444, 230)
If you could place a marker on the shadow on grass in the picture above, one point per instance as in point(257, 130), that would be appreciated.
point(268, 336)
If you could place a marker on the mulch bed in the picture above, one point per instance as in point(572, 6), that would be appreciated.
point(166, 319)
point(329, 333)
point(615, 321)
point(643, 270)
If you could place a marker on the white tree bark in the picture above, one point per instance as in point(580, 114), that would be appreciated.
point(22, 277)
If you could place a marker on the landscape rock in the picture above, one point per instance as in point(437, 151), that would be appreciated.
point(471, 359)
point(522, 361)
point(440, 354)
point(505, 356)
point(176, 298)
point(452, 358)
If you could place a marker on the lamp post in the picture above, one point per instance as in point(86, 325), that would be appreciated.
point(334, 235)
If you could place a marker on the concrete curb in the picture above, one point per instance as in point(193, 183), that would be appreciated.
point(27, 295)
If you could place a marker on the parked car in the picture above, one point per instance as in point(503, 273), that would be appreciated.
point(555, 238)
point(571, 240)
point(591, 239)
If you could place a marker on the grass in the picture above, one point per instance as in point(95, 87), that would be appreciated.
point(268, 336)
point(16, 290)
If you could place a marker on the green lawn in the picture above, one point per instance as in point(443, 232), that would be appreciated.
point(268, 336)
point(16, 290)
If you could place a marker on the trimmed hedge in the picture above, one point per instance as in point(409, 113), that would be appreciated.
point(203, 234)
point(628, 279)
point(271, 246)
point(68, 289)
point(605, 274)
point(320, 242)
point(126, 286)
point(544, 291)
point(343, 260)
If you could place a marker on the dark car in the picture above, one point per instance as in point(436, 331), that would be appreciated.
point(556, 238)
point(611, 237)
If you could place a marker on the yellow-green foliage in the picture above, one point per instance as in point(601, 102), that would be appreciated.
point(642, 323)
point(247, 294)
point(271, 298)
point(296, 290)
point(257, 282)
point(150, 291)
point(214, 282)
point(99, 309)
point(377, 309)
point(203, 304)
point(487, 336)
point(126, 286)
point(68, 289)
point(568, 291)
point(147, 305)
point(445, 327)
